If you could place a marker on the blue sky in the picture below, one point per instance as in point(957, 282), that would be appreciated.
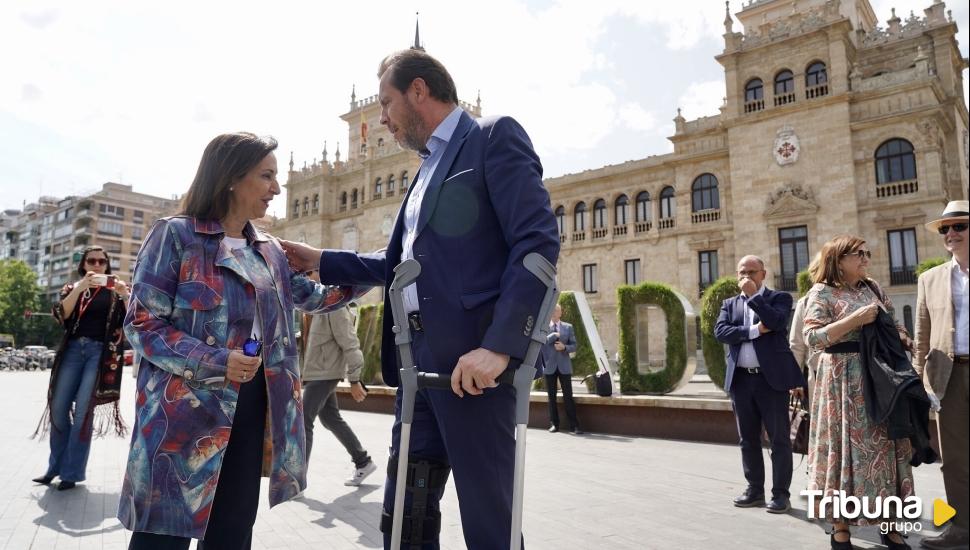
point(110, 90)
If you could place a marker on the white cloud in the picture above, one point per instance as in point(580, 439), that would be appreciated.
point(145, 86)
point(702, 99)
point(637, 118)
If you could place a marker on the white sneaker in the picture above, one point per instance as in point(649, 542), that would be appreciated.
point(360, 474)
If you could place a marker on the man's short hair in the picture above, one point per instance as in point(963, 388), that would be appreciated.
point(406, 65)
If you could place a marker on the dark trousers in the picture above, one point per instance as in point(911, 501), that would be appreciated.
point(953, 426)
point(757, 404)
point(566, 382)
point(320, 401)
point(237, 493)
point(476, 436)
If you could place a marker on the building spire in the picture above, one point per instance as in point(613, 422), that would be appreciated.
point(728, 22)
point(291, 161)
point(417, 33)
point(325, 152)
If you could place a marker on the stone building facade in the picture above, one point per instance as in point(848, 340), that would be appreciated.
point(50, 234)
point(831, 124)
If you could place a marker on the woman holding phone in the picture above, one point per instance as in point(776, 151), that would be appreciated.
point(87, 369)
point(219, 396)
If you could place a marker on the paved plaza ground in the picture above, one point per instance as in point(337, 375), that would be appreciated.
point(582, 492)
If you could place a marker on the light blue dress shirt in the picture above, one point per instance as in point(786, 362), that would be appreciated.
point(961, 309)
point(436, 146)
point(747, 358)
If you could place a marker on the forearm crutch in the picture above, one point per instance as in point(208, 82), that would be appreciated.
point(411, 380)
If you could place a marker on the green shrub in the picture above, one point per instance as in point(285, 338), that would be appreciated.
point(711, 301)
point(928, 264)
point(664, 381)
point(804, 282)
point(370, 321)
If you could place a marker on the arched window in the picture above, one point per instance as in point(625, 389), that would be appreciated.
point(316, 203)
point(404, 180)
point(306, 206)
point(353, 198)
point(754, 90)
point(343, 200)
point(784, 82)
point(620, 208)
point(296, 208)
point(895, 161)
point(561, 219)
point(378, 188)
point(380, 144)
point(579, 217)
point(643, 213)
point(704, 194)
point(599, 214)
point(815, 75)
point(390, 181)
point(667, 203)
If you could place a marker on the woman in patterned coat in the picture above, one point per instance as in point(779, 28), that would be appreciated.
point(847, 451)
point(210, 420)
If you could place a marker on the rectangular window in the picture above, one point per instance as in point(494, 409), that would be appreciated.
point(632, 268)
point(111, 210)
point(793, 245)
point(110, 228)
point(707, 265)
point(138, 216)
point(136, 232)
point(590, 284)
point(902, 256)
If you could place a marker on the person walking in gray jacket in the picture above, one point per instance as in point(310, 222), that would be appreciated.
point(332, 351)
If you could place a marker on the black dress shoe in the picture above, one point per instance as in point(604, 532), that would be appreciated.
point(778, 505)
point(65, 485)
point(553, 429)
point(893, 545)
point(841, 544)
point(43, 480)
point(749, 498)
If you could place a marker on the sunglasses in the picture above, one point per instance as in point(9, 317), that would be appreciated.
point(957, 227)
point(96, 261)
point(867, 254)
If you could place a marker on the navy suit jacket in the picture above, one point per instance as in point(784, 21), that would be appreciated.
point(553, 360)
point(484, 210)
point(778, 364)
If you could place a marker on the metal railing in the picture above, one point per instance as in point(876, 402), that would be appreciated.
point(902, 275)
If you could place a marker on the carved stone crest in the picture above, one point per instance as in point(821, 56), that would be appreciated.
point(786, 147)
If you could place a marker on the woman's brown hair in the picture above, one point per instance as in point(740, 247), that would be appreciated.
point(225, 161)
point(826, 270)
point(82, 271)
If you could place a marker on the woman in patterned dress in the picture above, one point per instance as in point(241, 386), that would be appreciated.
point(847, 451)
point(211, 419)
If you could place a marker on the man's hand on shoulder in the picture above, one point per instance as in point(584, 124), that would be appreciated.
point(477, 370)
point(300, 256)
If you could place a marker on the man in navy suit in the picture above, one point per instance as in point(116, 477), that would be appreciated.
point(761, 370)
point(476, 208)
point(557, 366)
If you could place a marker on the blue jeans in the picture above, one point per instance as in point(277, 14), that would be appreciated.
point(77, 375)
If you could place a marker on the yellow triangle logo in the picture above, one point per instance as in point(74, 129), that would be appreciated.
point(942, 512)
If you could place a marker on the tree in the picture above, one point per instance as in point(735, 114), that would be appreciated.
point(18, 294)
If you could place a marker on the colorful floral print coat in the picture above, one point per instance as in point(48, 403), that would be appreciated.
point(191, 303)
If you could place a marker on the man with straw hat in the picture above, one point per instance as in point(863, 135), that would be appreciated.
point(941, 358)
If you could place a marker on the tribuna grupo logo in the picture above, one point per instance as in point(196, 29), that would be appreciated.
point(901, 515)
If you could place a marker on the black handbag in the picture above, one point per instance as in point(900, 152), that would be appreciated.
point(799, 421)
point(603, 383)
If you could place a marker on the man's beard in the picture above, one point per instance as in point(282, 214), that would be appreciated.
point(412, 127)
